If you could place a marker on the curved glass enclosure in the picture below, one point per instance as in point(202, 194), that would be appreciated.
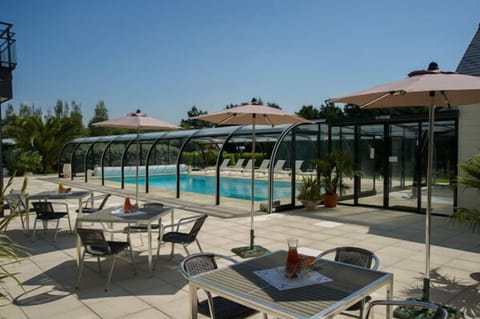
point(214, 165)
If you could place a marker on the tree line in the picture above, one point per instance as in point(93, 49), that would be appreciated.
point(40, 135)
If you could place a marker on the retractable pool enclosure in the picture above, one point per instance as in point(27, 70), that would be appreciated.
point(389, 152)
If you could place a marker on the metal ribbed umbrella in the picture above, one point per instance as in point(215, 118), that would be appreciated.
point(137, 121)
point(251, 114)
point(427, 88)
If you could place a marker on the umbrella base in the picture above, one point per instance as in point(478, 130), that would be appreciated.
point(247, 252)
point(414, 312)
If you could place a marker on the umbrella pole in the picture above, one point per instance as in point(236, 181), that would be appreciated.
point(136, 170)
point(252, 191)
point(428, 216)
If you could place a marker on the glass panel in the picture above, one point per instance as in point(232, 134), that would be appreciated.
point(371, 156)
point(343, 138)
point(402, 162)
point(444, 167)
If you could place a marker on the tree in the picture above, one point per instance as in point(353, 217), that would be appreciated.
point(309, 112)
point(330, 112)
point(194, 124)
point(100, 115)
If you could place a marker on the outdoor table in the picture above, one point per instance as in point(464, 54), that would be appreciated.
point(238, 282)
point(49, 195)
point(141, 216)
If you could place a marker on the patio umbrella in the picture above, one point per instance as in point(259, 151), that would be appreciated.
point(251, 114)
point(428, 88)
point(138, 121)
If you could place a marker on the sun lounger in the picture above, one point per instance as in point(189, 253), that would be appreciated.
point(238, 166)
point(223, 166)
point(263, 168)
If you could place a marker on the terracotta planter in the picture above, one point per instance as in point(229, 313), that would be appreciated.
point(330, 200)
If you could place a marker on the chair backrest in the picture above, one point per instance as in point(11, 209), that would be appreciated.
point(264, 164)
point(249, 164)
point(15, 202)
point(298, 165)
point(225, 163)
point(354, 256)
point(279, 165)
point(197, 264)
point(239, 163)
point(153, 205)
point(93, 240)
point(104, 200)
point(43, 209)
point(192, 235)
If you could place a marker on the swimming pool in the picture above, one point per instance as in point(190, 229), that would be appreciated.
point(229, 187)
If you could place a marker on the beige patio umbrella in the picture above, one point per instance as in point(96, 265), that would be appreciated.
point(139, 122)
point(251, 114)
point(427, 88)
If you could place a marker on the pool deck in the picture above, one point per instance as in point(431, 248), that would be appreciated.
point(48, 274)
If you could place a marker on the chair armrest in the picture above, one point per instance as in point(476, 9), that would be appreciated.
point(61, 204)
point(91, 200)
point(182, 221)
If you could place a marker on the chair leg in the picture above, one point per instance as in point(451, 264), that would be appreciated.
point(110, 273)
point(56, 230)
point(80, 269)
point(199, 247)
point(69, 223)
point(133, 260)
point(186, 250)
point(158, 254)
point(99, 263)
point(34, 229)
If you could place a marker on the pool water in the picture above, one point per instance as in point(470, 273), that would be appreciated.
point(229, 187)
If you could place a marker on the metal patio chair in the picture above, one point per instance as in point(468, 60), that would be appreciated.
point(88, 205)
point(215, 307)
point(178, 236)
point(142, 228)
point(16, 205)
point(96, 245)
point(45, 211)
point(358, 257)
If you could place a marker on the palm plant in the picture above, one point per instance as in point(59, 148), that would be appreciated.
point(332, 169)
point(10, 252)
point(469, 179)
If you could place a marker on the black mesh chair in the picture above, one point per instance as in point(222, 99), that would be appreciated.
point(96, 245)
point(358, 257)
point(89, 204)
point(142, 228)
point(178, 236)
point(215, 307)
point(436, 311)
point(45, 211)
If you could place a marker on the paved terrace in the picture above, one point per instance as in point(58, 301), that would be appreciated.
point(48, 274)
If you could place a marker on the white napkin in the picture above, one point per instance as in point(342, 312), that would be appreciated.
point(276, 277)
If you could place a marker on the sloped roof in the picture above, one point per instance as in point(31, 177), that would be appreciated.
point(470, 63)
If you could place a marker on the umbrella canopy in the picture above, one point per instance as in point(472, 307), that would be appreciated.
point(138, 121)
point(251, 114)
point(448, 88)
point(427, 88)
point(244, 114)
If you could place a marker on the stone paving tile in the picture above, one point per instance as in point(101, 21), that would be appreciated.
point(396, 237)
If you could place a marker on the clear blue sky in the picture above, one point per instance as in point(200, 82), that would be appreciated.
point(166, 56)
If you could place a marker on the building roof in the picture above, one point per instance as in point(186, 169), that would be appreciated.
point(470, 63)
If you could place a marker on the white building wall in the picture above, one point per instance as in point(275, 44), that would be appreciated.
point(468, 145)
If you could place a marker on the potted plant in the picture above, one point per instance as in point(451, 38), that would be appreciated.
point(310, 192)
point(331, 170)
